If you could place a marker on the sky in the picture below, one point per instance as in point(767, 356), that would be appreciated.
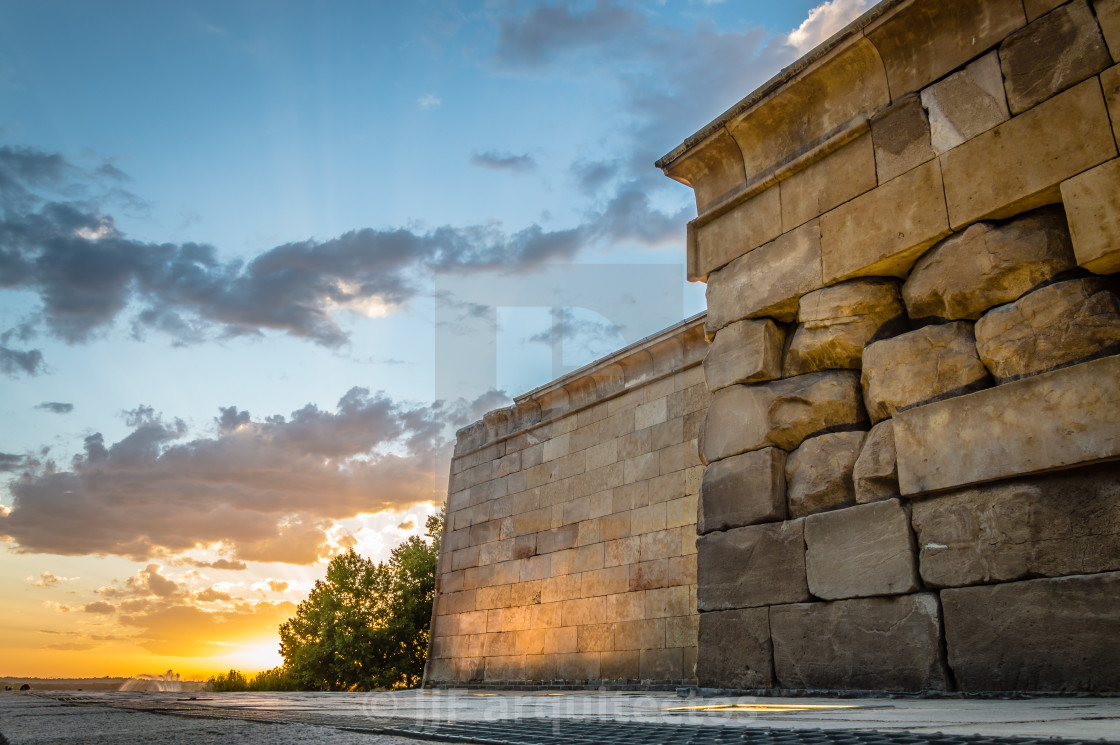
point(259, 260)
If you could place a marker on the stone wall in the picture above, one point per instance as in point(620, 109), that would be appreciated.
point(910, 240)
point(569, 550)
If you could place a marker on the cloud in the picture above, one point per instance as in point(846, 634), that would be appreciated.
point(429, 101)
point(55, 407)
point(503, 162)
point(277, 585)
point(406, 525)
point(100, 607)
point(13, 362)
point(264, 490)
point(824, 21)
point(47, 580)
point(544, 33)
point(233, 566)
point(210, 595)
point(10, 462)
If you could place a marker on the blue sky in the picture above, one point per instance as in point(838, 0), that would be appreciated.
point(234, 233)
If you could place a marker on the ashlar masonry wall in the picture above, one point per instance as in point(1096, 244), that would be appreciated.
point(910, 240)
point(569, 550)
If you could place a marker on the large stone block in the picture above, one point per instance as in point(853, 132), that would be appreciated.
point(768, 281)
point(830, 181)
point(1039, 635)
point(835, 324)
point(743, 490)
point(715, 241)
point(989, 264)
point(745, 352)
point(781, 414)
point(1058, 50)
point(861, 551)
point(819, 473)
point(875, 474)
point(890, 644)
point(735, 650)
point(856, 240)
point(966, 103)
point(902, 138)
point(751, 567)
point(1045, 526)
point(1020, 164)
point(1092, 202)
point(1108, 16)
point(1056, 325)
point(1058, 419)
point(928, 40)
point(921, 366)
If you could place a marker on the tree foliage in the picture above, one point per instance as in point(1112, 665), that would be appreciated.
point(366, 625)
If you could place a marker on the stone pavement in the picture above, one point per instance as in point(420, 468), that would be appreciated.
point(58, 718)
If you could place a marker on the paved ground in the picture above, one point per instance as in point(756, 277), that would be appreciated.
point(58, 718)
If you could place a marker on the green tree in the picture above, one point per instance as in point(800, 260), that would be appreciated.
point(366, 625)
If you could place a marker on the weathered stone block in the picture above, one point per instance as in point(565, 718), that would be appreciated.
point(1045, 526)
point(735, 650)
point(875, 474)
point(781, 414)
point(857, 242)
point(1058, 419)
point(1039, 635)
point(768, 281)
point(830, 181)
point(819, 473)
point(861, 551)
point(902, 138)
point(966, 103)
point(890, 644)
point(987, 265)
point(1058, 50)
point(932, 39)
point(1110, 82)
point(716, 241)
point(1036, 8)
point(661, 664)
point(835, 324)
point(1108, 16)
point(750, 567)
point(1019, 164)
point(1092, 202)
point(714, 169)
point(745, 352)
point(1055, 325)
point(921, 366)
point(743, 490)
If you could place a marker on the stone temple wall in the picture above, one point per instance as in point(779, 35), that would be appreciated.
point(910, 240)
point(569, 548)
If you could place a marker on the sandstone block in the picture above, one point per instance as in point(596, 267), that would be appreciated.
point(661, 664)
point(1058, 419)
point(835, 323)
point(875, 474)
point(713, 242)
point(819, 473)
point(1020, 164)
point(902, 138)
point(1036, 8)
point(750, 567)
point(743, 490)
point(1108, 16)
point(1110, 82)
point(734, 649)
point(1056, 325)
point(620, 665)
point(745, 352)
point(767, 281)
point(1045, 526)
point(966, 103)
point(1038, 635)
point(1092, 203)
point(921, 366)
point(861, 551)
point(714, 169)
point(857, 242)
point(890, 644)
point(1058, 50)
point(987, 265)
point(781, 414)
point(830, 181)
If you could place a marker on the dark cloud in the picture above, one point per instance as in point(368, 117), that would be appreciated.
point(577, 331)
point(13, 362)
point(10, 462)
point(545, 33)
point(503, 162)
point(267, 490)
point(210, 595)
point(233, 566)
point(56, 407)
point(99, 607)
